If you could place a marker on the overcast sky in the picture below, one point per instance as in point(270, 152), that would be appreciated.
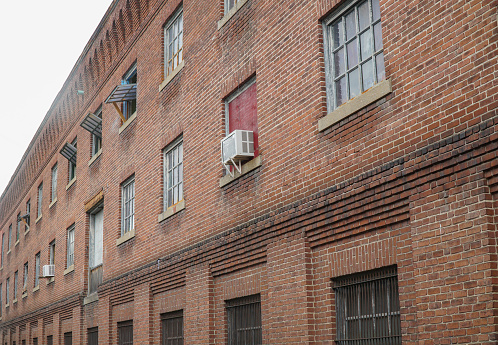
point(40, 42)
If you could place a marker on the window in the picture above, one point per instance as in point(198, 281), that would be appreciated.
point(7, 290)
point(1, 299)
point(37, 269)
point(50, 340)
point(3, 248)
point(68, 338)
point(95, 250)
point(128, 205)
point(53, 194)
point(130, 106)
point(35, 341)
point(172, 328)
point(353, 45)
point(229, 4)
point(28, 215)
point(40, 199)
point(10, 236)
point(93, 336)
point(25, 277)
point(18, 226)
point(173, 42)
point(241, 111)
point(72, 162)
point(51, 253)
point(16, 276)
point(125, 333)
point(173, 173)
point(96, 139)
point(244, 320)
point(367, 307)
point(70, 246)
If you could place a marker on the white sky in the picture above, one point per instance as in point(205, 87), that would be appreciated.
point(40, 41)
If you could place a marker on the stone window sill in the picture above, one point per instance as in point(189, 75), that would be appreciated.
point(69, 270)
point(370, 96)
point(36, 288)
point(71, 183)
point(50, 280)
point(8, 252)
point(231, 13)
point(171, 211)
point(24, 295)
point(94, 297)
point(95, 156)
point(126, 237)
point(127, 123)
point(247, 167)
point(7, 305)
point(14, 301)
point(38, 219)
point(26, 232)
point(171, 76)
point(52, 203)
point(15, 244)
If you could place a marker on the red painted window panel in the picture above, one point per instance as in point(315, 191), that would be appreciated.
point(242, 114)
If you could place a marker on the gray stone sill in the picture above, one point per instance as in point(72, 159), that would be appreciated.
point(52, 203)
point(38, 219)
point(71, 183)
point(15, 244)
point(94, 297)
point(24, 295)
point(127, 123)
point(171, 211)
point(95, 156)
point(249, 166)
point(370, 96)
point(231, 13)
point(50, 280)
point(69, 270)
point(126, 237)
point(171, 76)
point(36, 288)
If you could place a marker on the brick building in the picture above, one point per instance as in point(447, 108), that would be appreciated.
point(368, 210)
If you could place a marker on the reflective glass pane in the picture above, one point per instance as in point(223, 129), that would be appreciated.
point(376, 10)
point(366, 45)
point(352, 54)
point(350, 25)
point(378, 36)
point(368, 74)
point(338, 33)
point(340, 64)
point(354, 83)
point(341, 94)
point(381, 74)
point(175, 195)
point(170, 197)
point(180, 191)
point(364, 16)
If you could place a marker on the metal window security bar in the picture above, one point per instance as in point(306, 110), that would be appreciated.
point(355, 57)
point(244, 321)
point(93, 336)
point(172, 328)
point(68, 338)
point(367, 308)
point(125, 333)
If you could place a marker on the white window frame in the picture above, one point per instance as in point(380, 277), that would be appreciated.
point(176, 38)
point(175, 149)
point(26, 276)
point(96, 140)
point(53, 194)
point(70, 247)
point(333, 76)
point(51, 253)
point(128, 205)
point(40, 200)
point(127, 78)
point(37, 269)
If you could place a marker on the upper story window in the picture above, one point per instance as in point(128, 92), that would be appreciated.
point(25, 277)
point(173, 42)
point(367, 308)
point(244, 320)
point(27, 217)
point(354, 51)
point(173, 173)
point(128, 205)
point(70, 246)
point(51, 253)
point(40, 200)
point(3, 248)
point(53, 194)
point(37, 269)
point(70, 151)
point(16, 276)
point(93, 124)
point(7, 291)
point(72, 162)
point(229, 4)
point(18, 226)
point(9, 240)
point(130, 78)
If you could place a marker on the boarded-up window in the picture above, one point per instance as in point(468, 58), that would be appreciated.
point(68, 338)
point(172, 328)
point(244, 321)
point(367, 307)
point(241, 108)
point(93, 336)
point(125, 333)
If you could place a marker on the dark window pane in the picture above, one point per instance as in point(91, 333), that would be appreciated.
point(244, 321)
point(172, 328)
point(125, 333)
point(68, 338)
point(93, 336)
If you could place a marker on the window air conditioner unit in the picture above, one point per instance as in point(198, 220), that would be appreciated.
point(236, 147)
point(48, 271)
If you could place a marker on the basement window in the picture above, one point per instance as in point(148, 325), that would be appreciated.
point(244, 320)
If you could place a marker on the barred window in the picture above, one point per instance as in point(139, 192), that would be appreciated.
point(173, 173)
point(244, 321)
point(173, 42)
point(50, 340)
point(70, 246)
point(355, 57)
point(68, 338)
point(93, 336)
point(172, 328)
point(128, 205)
point(125, 333)
point(367, 307)
point(7, 291)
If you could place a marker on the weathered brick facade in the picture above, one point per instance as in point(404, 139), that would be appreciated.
point(410, 179)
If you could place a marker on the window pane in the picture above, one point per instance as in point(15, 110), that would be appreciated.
point(338, 33)
point(352, 54)
point(368, 75)
point(364, 16)
point(340, 65)
point(350, 25)
point(366, 45)
point(341, 91)
point(354, 83)
point(381, 74)
point(376, 10)
point(378, 36)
